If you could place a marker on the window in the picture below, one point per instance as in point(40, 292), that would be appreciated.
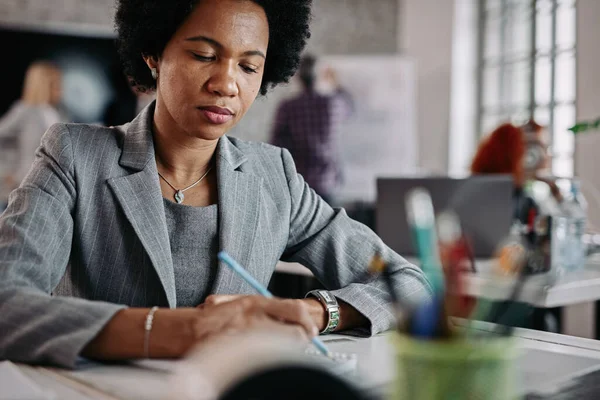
point(527, 70)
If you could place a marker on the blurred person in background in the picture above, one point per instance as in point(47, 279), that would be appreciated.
point(520, 151)
point(537, 158)
point(30, 116)
point(306, 125)
point(502, 152)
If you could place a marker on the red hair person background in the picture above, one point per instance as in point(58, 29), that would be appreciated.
point(501, 152)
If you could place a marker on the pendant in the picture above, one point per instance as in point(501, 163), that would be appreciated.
point(179, 197)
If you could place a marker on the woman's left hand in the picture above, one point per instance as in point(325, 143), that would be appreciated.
point(315, 308)
point(349, 316)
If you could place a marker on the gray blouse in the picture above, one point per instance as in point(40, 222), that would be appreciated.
point(193, 234)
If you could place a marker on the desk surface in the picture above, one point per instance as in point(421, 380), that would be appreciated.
point(549, 355)
point(540, 290)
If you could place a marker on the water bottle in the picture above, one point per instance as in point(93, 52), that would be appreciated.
point(569, 224)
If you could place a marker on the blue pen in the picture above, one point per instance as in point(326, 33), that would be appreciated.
point(231, 263)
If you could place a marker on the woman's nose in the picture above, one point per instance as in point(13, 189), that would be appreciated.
point(223, 80)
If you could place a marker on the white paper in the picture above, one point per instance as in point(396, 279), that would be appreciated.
point(15, 385)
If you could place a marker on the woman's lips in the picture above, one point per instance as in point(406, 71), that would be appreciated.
point(217, 115)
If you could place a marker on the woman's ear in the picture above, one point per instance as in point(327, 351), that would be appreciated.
point(150, 61)
point(152, 64)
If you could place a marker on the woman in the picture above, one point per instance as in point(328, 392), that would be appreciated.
point(32, 115)
point(97, 222)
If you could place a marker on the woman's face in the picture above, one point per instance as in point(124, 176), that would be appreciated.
point(537, 157)
point(211, 70)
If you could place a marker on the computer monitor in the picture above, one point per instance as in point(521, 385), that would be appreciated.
point(484, 205)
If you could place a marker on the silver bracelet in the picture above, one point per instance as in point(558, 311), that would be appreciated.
point(147, 330)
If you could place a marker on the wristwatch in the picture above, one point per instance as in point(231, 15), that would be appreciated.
point(331, 306)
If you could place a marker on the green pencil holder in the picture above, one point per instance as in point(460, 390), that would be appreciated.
point(455, 369)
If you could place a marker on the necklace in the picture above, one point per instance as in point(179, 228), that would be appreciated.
point(179, 196)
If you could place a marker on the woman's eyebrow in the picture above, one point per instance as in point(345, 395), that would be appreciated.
point(218, 45)
point(204, 39)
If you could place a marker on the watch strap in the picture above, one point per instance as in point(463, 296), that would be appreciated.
point(331, 307)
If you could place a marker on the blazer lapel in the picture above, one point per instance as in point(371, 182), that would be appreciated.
point(140, 198)
point(239, 209)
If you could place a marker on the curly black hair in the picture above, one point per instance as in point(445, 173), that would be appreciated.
point(145, 27)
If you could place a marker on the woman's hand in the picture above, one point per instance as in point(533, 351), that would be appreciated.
point(350, 317)
point(313, 306)
point(222, 314)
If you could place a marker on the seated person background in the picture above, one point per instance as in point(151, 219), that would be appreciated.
point(29, 118)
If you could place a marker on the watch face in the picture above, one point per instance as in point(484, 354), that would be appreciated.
point(328, 298)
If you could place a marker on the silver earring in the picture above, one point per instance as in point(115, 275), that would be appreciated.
point(154, 73)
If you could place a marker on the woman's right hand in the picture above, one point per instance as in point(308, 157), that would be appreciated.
point(245, 313)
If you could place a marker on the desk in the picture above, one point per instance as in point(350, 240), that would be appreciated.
point(547, 353)
point(575, 292)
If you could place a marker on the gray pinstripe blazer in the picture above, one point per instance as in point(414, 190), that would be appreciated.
point(85, 235)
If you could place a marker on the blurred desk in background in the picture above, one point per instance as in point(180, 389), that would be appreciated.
point(576, 292)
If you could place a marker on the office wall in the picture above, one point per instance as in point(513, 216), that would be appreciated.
point(343, 27)
point(463, 102)
point(339, 26)
point(52, 12)
point(587, 146)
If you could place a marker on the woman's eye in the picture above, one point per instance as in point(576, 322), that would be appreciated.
point(203, 58)
point(249, 70)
